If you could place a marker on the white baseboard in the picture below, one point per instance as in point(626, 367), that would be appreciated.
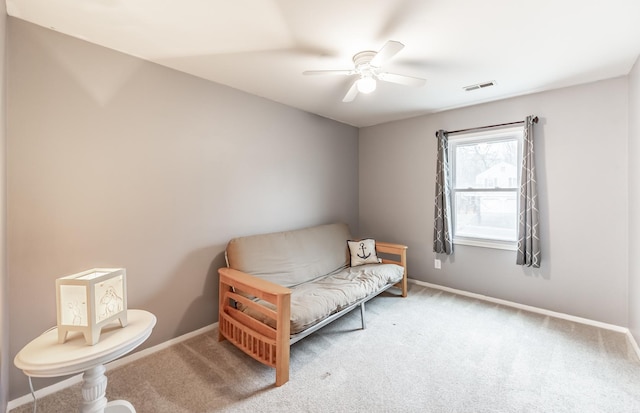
point(529, 308)
point(633, 342)
point(166, 344)
point(568, 317)
point(45, 391)
point(61, 385)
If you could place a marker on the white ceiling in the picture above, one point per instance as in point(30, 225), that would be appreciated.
point(263, 46)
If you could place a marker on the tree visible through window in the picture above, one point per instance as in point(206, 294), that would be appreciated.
point(485, 168)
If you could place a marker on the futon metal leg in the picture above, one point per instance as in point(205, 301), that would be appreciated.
point(364, 325)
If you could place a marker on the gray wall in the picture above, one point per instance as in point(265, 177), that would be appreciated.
point(634, 201)
point(582, 174)
point(114, 161)
point(4, 316)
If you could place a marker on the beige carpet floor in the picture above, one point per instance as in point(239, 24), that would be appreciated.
point(430, 352)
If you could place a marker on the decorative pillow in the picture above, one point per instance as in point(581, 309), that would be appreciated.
point(363, 252)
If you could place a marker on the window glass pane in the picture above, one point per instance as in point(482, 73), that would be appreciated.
point(489, 215)
point(486, 164)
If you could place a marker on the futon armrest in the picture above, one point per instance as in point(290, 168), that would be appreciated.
point(400, 251)
point(252, 285)
point(266, 343)
point(389, 247)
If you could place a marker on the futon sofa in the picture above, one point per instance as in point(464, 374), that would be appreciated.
point(280, 287)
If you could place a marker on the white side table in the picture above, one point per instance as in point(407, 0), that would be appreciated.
point(45, 357)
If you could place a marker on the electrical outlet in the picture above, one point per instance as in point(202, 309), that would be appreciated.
point(437, 264)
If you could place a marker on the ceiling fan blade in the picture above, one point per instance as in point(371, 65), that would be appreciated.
point(402, 79)
point(351, 93)
point(329, 72)
point(390, 49)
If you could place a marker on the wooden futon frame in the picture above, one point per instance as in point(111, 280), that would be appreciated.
point(270, 344)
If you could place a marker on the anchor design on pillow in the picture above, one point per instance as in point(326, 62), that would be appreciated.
point(364, 255)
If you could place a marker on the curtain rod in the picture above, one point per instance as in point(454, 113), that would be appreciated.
point(535, 120)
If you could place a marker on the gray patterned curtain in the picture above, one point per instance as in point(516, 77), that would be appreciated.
point(442, 242)
point(528, 234)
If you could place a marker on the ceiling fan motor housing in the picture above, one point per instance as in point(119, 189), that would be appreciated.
point(362, 62)
point(363, 58)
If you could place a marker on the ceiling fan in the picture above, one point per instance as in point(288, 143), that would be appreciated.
point(368, 69)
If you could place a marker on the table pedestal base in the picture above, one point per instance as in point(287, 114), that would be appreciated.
point(94, 388)
point(119, 406)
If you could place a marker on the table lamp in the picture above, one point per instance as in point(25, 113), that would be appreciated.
point(89, 300)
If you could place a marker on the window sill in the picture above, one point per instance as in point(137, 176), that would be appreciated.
point(487, 243)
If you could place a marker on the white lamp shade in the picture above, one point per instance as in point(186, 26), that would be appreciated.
point(73, 311)
point(89, 300)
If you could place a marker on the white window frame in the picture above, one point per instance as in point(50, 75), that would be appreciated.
point(478, 137)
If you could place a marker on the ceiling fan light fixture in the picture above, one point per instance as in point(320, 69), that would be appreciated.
point(368, 69)
point(366, 84)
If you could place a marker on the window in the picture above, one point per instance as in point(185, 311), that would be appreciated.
point(485, 171)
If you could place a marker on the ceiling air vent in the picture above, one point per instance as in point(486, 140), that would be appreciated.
point(479, 86)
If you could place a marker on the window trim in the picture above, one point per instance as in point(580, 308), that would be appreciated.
point(485, 136)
